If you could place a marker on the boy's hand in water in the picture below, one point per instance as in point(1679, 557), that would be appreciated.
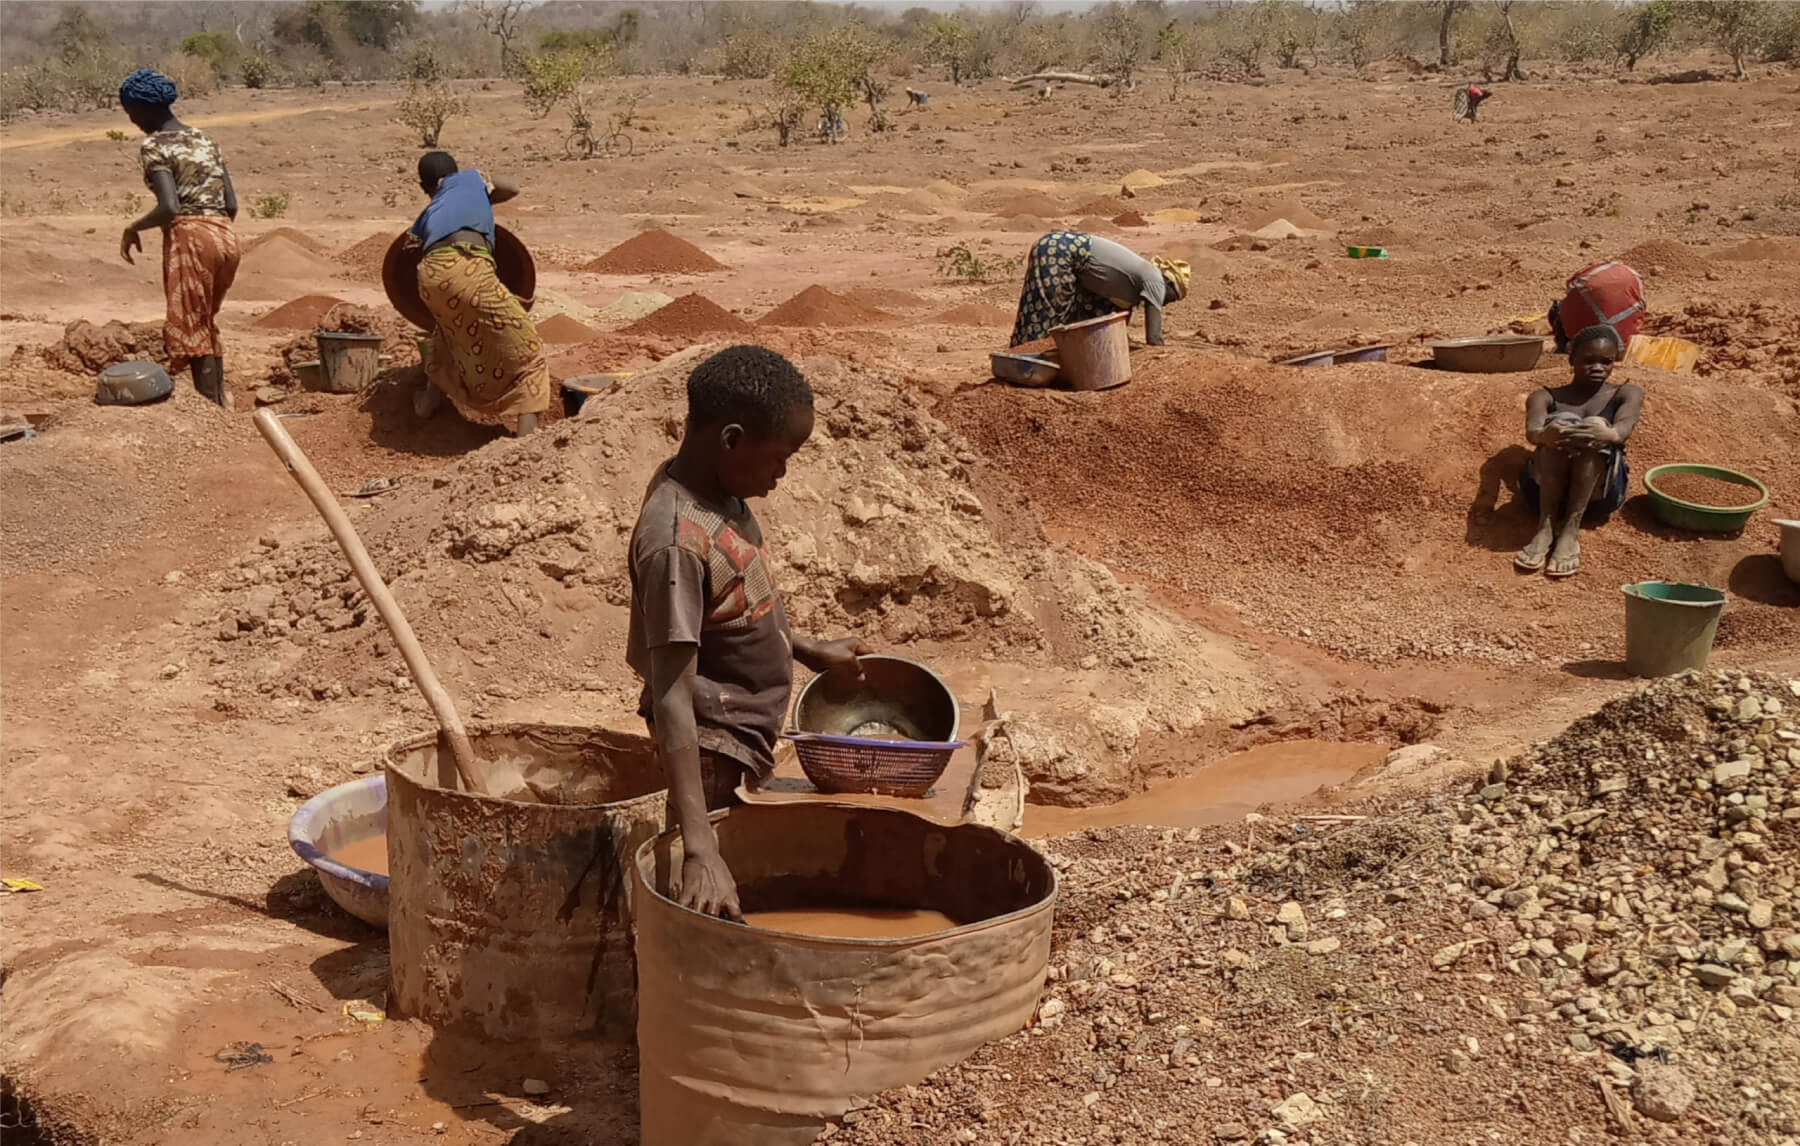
point(823, 656)
point(707, 886)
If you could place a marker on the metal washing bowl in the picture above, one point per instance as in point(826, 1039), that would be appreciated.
point(1503, 354)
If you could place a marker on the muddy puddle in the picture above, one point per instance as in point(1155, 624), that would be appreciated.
point(369, 854)
point(1218, 792)
point(854, 922)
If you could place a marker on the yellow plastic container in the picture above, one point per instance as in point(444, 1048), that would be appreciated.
point(1668, 353)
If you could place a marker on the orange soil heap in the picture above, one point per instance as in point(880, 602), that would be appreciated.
point(1130, 219)
point(1034, 203)
point(690, 316)
point(303, 313)
point(563, 329)
point(654, 252)
point(297, 237)
point(365, 257)
point(816, 306)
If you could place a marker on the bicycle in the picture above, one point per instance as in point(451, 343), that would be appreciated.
point(582, 143)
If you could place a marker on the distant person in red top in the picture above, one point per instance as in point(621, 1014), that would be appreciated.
point(1604, 294)
point(1468, 101)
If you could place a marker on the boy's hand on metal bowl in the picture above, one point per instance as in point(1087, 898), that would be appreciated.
point(824, 656)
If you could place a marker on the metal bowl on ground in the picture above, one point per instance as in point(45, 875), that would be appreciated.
point(133, 384)
point(354, 810)
point(1501, 354)
point(513, 265)
point(892, 731)
point(1671, 510)
point(1314, 358)
point(1024, 369)
point(1362, 354)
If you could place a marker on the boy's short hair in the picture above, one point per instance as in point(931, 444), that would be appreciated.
point(751, 386)
point(1599, 332)
point(433, 166)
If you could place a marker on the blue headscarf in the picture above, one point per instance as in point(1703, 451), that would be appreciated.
point(149, 87)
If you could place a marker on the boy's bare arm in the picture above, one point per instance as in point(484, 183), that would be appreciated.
point(706, 882)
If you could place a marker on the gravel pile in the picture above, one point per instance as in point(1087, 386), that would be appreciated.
point(1596, 943)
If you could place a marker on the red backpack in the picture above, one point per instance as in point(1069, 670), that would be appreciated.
point(1609, 293)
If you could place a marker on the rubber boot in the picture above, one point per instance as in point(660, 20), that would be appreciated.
point(209, 378)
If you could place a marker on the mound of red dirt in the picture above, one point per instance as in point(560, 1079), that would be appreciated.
point(1107, 205)
point(816, 306)
point(1130, 219)
point(1666, 256)
point(288, 234)
point(654, 252)
point(303, 313)
point(887, 298)
point(690, 316)
point(364, 259)
point(975, 314)
point(1031, 203)
point(563, 329)
point(88, 348)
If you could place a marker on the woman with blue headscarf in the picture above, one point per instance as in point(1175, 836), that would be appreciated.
point(195, 206)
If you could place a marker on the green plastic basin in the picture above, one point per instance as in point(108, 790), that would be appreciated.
point(1681, 514)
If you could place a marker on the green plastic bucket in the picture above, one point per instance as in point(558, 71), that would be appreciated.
point(1669, 626)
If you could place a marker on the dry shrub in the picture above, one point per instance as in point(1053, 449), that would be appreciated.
point(193, 76)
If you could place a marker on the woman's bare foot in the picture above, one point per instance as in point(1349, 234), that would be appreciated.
point(427, 400)
point(1565, 559)
point(1531, 558)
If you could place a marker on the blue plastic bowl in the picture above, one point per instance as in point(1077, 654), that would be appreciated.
point(340, 815)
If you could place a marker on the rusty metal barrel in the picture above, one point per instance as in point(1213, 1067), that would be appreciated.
point(512, 920)
point(753, 1037)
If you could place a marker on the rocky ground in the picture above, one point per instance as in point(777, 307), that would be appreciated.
point(1600, 941)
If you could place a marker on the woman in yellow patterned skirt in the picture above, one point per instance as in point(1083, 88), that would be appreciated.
point(485, 352)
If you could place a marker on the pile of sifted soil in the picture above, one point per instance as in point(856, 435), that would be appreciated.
point(1107, 205)
point(691, 316)
point(291, 235)
point(561, 328)
point(1130, 219)
point(1033, 203)
point(1294, 212)
point(303, 313)
point(364, 259)
point(654, 252)
point(816, 306)
point(1666, 256)
point(879, 529)
point(887, 298)
point(1327, 513)
point(1756, 342)
point(277, 256)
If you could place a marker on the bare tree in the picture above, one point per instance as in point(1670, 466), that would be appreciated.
point(1447, 10)
point(502, 19)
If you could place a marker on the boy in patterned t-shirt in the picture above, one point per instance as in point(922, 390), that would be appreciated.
point(709, 635)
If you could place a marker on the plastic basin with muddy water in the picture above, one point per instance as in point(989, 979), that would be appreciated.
point(338, 816)
point(755, 1037)
point(512, 920)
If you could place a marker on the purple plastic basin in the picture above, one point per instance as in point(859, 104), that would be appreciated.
point(339, 815)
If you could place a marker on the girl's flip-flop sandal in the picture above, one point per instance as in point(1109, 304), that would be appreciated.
point(1524, 566)
point(1563, 574)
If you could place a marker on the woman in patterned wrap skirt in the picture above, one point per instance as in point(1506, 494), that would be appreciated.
point(195, 206)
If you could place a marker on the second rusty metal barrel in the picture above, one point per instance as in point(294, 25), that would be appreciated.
point(512, 920)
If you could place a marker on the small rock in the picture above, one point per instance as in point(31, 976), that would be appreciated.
point(1323, 946)
point(1662, 1093)
point(1446, 957)
point(1749, 709)
point(1733, 769)
point(1231, 1132)
point(1297, 1109)
point(1714, 975)
point(1236, 908)
point(535, 1086)
point(1290, 913)
point(1761, 914)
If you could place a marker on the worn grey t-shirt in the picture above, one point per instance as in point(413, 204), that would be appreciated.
point(1119, 273)
point(699, 576)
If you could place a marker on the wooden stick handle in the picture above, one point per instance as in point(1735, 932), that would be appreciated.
point(461, 750)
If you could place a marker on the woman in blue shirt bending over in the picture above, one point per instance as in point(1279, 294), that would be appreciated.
point(485, 352)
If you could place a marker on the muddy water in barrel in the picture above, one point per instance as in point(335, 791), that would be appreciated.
point(364, 855)
point(1218, 792)
point(854, 922)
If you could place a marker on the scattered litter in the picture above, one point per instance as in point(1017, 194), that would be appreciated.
point(292, 996)
point(17, 432)
point(364, 1011)
point(20, 885)
point(239, 1056)
point(375, 487)
point(1368, 252)
point(1627, 1052)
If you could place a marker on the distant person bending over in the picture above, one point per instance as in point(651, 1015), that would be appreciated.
point(485, 352)
point(1578, 471)
point(195, 206)
point(1072, 276)
point(1468, 101)
point(709, 636)
point(1601, 294)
